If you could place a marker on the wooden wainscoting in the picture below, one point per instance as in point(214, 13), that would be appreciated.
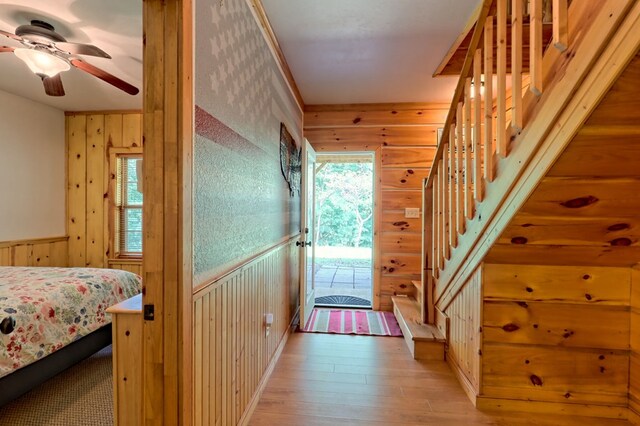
point(465, 336)
point(36, 252)
point(131, 265)
point(232, 348)
point(89, 137)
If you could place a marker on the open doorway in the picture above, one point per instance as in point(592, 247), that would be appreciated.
point(344, 229)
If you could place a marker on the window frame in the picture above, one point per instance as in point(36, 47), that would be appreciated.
point(114, 210)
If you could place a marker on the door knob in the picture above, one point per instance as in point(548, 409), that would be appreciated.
point(308, 243)
point(299, 243)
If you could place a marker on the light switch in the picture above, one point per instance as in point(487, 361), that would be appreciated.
point(411, 213)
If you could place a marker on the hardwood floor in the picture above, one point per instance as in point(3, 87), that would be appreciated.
point(325, 379)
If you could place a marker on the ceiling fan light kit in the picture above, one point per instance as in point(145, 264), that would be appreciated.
point(47, 54)
point(41, 62)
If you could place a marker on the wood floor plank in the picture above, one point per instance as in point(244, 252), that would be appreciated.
point(327, 380)
point(338, 397)
point(315, 366)
point(323, 376)
point(392, 370)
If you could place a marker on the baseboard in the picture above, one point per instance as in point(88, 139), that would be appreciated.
point(248, 412)
point(466, 384)
point(543, 407)
point(295, 321)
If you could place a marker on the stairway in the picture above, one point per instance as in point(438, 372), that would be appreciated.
point(425, 341)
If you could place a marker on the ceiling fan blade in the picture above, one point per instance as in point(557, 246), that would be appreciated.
point(6, 49)
point(105, 76)
point(82, 49)
point(53, 85)
point(10, 35)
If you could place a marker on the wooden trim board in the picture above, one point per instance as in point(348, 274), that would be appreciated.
point(34, 241)
point(105, 112)
point(262, 19)
point(466, 385)
point(205, 286)
point(167, 265)
point(541, 407)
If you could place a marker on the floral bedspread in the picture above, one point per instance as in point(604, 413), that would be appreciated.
point(44, 309)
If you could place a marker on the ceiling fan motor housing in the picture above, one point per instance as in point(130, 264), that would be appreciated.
point(39, 32)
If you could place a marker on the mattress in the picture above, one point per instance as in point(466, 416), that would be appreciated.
point(45, 309)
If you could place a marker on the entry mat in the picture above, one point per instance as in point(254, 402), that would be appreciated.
point(348, 321)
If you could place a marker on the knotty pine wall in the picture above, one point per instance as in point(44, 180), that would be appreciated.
point(40, 252)
point(404, 137)
point(559, 320)
point(557, 334)
point(89, 137)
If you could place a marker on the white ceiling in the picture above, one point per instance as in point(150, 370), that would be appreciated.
point(368, 51)
point(115, 26)
point(339, 51)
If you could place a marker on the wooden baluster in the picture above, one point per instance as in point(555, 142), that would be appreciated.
point(560, 27)
point(442, 229)
point(488, 99)
point(453, 187)
point(445, 201)
point(501, 121)
point(460, 170)
point(535, 47)
point(516, 65)
point(434, 228)
point(468, 172)
point(547, 17)
point(477, 125)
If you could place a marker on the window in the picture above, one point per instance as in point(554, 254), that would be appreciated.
point(128, 205)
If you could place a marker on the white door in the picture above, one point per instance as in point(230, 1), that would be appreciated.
point(306, 243)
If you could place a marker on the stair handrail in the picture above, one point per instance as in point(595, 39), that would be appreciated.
point(479, 128)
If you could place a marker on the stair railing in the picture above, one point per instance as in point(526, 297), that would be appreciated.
point(483, 118)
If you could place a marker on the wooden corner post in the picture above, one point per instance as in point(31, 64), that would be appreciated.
point(167, 241)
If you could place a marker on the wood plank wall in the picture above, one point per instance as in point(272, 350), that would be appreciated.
point(558, 325)
point(404, 136)
point(89, 137)
point(585, 210)
point(232, 350)
point(130, 265)
point(37, 252)
point(465, 334)
point(556, 334)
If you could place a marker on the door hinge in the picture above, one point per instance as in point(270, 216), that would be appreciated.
point(148, 312)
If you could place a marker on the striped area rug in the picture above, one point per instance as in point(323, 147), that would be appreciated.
point(347, 321)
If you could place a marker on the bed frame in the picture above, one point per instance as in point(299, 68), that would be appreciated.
point(23, 380)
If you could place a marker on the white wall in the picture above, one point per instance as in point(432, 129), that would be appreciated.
point(32, 169)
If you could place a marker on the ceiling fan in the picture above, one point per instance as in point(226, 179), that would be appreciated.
point(48, 54)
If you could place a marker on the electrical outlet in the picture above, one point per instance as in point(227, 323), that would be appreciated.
point(268, 322)
point(411, 213)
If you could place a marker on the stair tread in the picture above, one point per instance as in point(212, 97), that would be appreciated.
point(417, 284)
point(409, 310)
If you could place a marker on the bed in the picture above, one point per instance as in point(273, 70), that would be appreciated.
point(51, 318)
